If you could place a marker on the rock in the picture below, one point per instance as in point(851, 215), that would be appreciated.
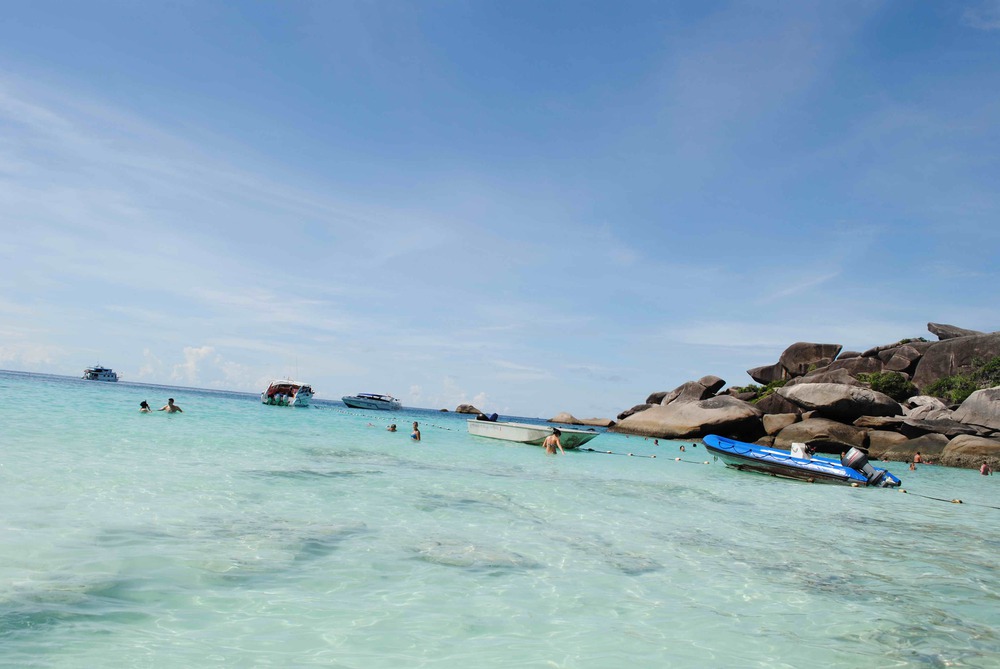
point(768, 374)
point(844, 355)
point(955, 356)
point(949, 428)
point(881, 442)
point(929, 412)
point(969, 451)
point(722, 415)
point(745, 396)
point(904, 359)
point(656, 398)
point(835, 400)
point(879, 422)
point(775, 403)
point(692, 391)
point(826, 375)
point(467, 408)
point(857, 365)
point(803, 357)
point(950, 331)
point(981, 408)
point(776, 422)
point(634, 410)
point(929, 446)
point(823, 434)
point(713, 383)
point(569, 419)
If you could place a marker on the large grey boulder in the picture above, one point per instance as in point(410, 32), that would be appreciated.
point(634, 410)
point(950, 331)
point(776, 422)
point(768, 373)
point(856, 365)
point(724, 415)
point(713, 383)
point(981, 408)
point(467, 408)
point(842, 402)
point(929, 446)
point(969, 451)
point(881, 442)
point(826, 375)
point(803, 357)
point(950, 428)
point(955, 356)
point(904, 359)
point(569, 419)
point(823, 434)
point(775, 403)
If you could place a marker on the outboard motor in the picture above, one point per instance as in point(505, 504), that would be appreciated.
point(857, 459)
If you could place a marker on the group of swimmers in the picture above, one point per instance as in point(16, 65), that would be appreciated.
point(169, 407)
point(415, 435)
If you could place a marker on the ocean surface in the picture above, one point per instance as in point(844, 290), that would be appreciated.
point(242, 535)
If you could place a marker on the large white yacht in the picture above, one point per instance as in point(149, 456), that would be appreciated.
point(98, 373)
point(372, 401)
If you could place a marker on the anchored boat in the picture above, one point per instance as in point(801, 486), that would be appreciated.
point(372, 401)
point(524, 433)
point(98, 373)
point(287, 394)
point(853, 467)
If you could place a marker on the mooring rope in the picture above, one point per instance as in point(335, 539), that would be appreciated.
point(951, 501)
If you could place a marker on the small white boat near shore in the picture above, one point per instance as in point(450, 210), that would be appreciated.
point(525, 433)
point(287, 393)
point(372, 401)
point(98, 373)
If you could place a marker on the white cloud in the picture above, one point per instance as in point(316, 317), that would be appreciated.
point(985, 16)
point(188, 371)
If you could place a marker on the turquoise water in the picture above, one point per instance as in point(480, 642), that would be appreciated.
point(237, 534)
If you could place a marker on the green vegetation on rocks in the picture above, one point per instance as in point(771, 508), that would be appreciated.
point(956, 389)
point(893, 384)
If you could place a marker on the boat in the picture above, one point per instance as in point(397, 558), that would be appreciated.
point(98, 373)
point(853, 467)
point(525, 433)
point(287, 393)
point(372, 401)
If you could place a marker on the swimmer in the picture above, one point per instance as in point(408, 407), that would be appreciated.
point(144, 407)
point(391, 428)
point(552, 442)
point(415, 435)
point(170, 407)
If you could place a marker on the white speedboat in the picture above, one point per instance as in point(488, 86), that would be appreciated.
point(372, 401)
point(98, 373)
point(525, 433)
point(287, 394)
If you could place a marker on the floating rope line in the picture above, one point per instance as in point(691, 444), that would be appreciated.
point(631, 455)
point(942, 499)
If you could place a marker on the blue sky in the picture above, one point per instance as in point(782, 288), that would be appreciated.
point(531, 206)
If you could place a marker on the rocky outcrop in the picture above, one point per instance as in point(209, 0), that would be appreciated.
point(981, 408)
point(803, 357)
point(719, 415)
point(846, 403)
point(969, 451)
point(816, 397)
point(950, 331)
point(467, 408)
point(955, 356)
point(569, 419)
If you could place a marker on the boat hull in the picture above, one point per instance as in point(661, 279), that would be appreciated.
point(524, 433)
point(287, 393)
point(356, 402)
point(777, 462)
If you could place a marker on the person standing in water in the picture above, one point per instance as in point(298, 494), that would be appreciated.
point(144, 407)
point(415, 435)
point(552, 442)
point(170, 407)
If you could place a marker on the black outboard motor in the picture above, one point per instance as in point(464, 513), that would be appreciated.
point(856, 459)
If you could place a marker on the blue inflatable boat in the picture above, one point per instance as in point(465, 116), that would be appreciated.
point(853, 467)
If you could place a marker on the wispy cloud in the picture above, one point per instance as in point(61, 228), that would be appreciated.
point(984, 16)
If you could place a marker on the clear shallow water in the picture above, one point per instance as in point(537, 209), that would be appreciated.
point(237, 534)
